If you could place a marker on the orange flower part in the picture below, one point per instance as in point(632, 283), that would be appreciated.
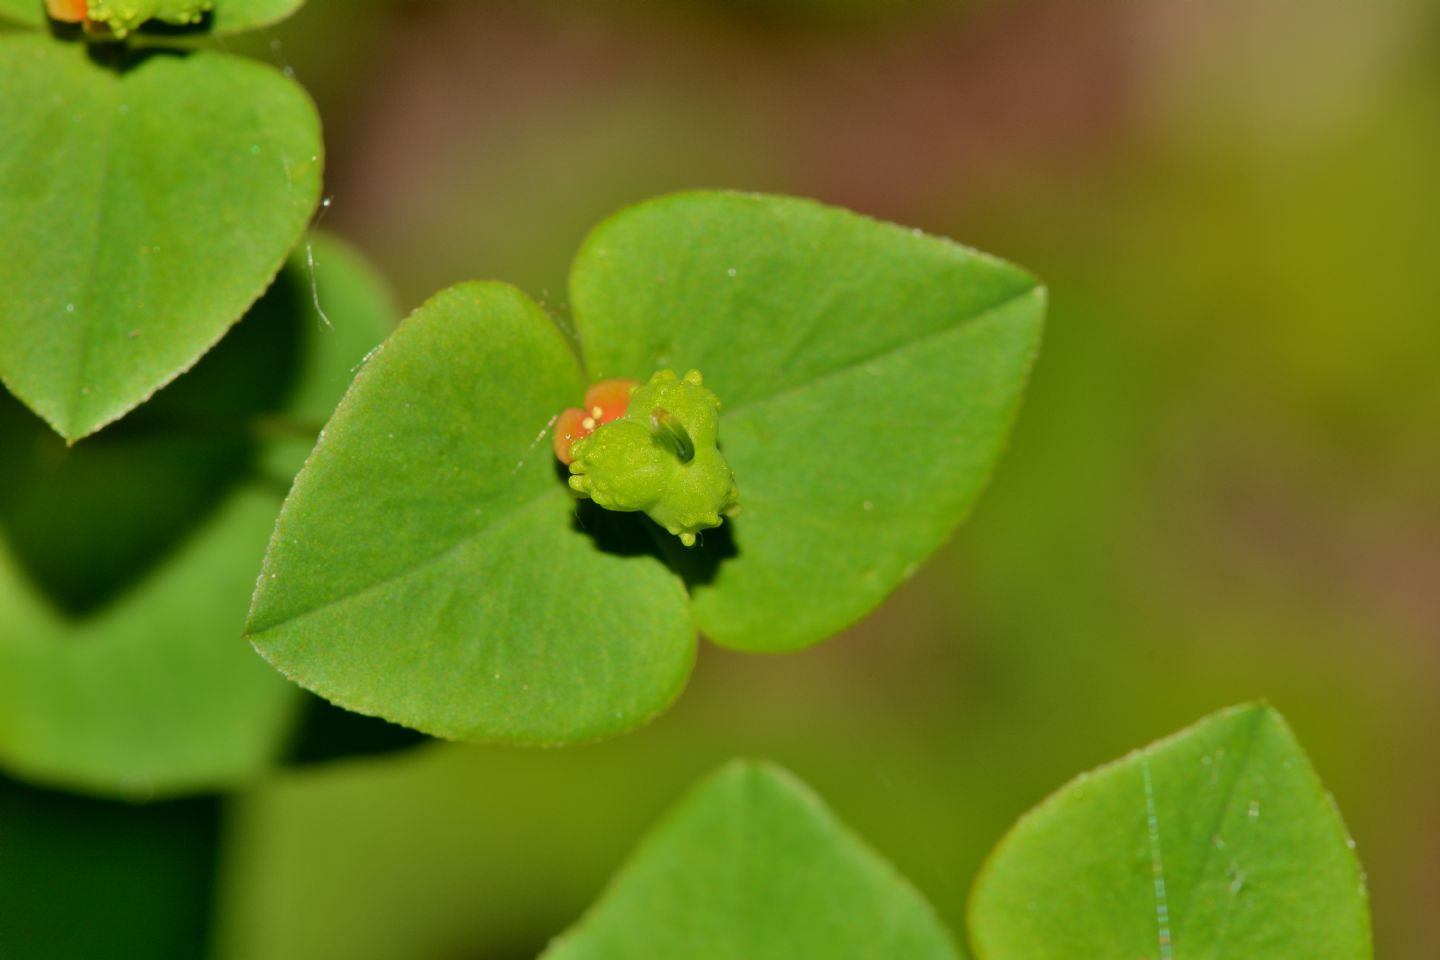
point(609, 399)
point(66, 11)
point(568, 429)
point(604, 401)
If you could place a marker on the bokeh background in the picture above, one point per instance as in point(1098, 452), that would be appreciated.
point(1224, 484)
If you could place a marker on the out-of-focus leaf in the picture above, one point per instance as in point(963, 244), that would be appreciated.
point(145, 203)
point(89, 878)
point(126, 561)
point(1219, 841)
point(753, 865)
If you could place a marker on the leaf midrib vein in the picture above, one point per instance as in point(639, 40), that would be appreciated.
point(430, 561)
point(890, 350)
point(85, 300)
point(1245, 755)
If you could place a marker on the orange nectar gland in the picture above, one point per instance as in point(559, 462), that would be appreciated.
point(604, 401)
point(66, 11)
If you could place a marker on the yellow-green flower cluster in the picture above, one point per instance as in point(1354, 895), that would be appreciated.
point(662, 457)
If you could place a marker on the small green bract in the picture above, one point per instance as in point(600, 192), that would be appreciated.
point(661, 457)
point(122, 16)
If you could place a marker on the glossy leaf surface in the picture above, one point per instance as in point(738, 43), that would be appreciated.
point(753, 865)
point(429, 566)
point(230, 16)
point(868, 375)
point(126, 561)
point(1217, 842)
point(144, 205)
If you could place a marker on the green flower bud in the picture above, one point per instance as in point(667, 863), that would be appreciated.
point(661, 458)
point(119, 17)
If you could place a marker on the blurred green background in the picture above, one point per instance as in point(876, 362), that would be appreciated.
point(1223, 484)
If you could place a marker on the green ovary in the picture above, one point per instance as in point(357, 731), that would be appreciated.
point(122, 16)
point(661, 458)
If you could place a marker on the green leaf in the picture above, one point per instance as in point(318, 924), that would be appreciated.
point(144, 205)
point(230, 16)
point(90, 878)
point(753, 865)
point(1218, 842)
point(429, 566)
point(126, 562)
point(30, 12)
point(868, 375)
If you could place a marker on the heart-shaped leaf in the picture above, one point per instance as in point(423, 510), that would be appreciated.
point(126, 562)
point(869, 376)
point(144, 205)
point(1217, 842)
point(753, 865)
point(428, 566)
point(229, 16)
point(432, 568)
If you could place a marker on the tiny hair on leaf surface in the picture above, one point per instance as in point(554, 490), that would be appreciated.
point(145, 204)
point(751, 864)
point(1219, 841)
point(217, 16)
point(127, 561)
point(432, 567)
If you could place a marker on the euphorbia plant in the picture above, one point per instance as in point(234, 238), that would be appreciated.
point(432, 565)
point(1219, 841)
point(435, 566)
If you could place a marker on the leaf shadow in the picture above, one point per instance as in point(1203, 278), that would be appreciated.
point(62, 30)
point(159, 28)
point(108, 53)
point(700, 564)
point(87, 877)
point(89, 521)
point(326, 732)
point(634, 534)
point(119, 56)
point(618, 534)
